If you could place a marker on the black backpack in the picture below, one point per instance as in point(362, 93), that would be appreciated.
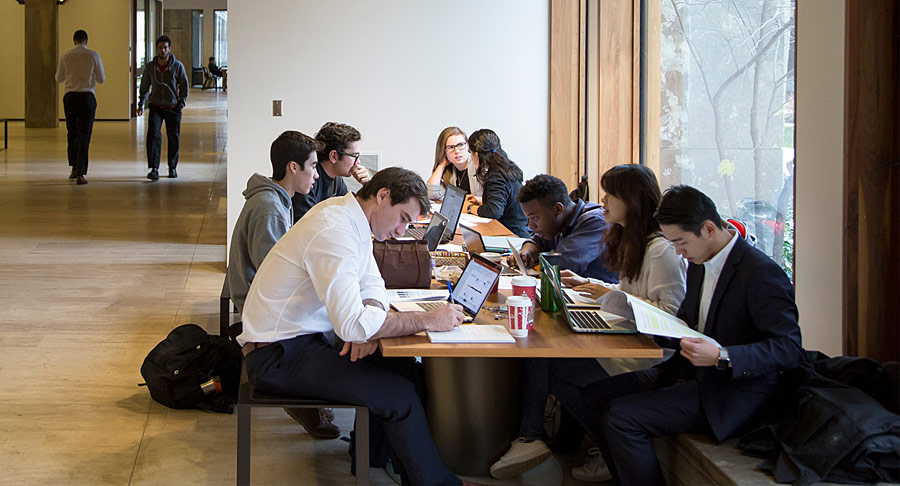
point(188, 357)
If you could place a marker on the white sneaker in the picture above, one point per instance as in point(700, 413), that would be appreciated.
point(521, 456)
point(594, 470)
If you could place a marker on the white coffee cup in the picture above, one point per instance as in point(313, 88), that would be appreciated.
point(526, 286)
point(519, 308)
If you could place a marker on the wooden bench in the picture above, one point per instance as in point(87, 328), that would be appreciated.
point(692, 459)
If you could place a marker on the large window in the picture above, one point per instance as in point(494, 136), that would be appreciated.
point(725, 114)
point(220, 44)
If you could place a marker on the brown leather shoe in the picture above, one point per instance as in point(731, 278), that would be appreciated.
point(316, 421)
point(72, 174)
point(80, 180)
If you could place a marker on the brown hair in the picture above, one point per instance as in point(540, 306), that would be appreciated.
point(440, 150)
point(626, 245)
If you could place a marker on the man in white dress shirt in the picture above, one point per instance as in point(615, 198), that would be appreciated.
point(321, 276)
point(80, 68)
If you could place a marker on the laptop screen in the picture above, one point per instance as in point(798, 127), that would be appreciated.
point(435, 229)
point(475, 284)
point(454, 198)
point(472, 239)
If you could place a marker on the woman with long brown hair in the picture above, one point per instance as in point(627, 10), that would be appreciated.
point(452, 164)
point(647, 264)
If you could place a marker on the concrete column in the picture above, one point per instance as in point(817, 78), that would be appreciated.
point(41, 56)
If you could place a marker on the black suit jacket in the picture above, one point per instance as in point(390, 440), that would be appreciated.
point(753, 314)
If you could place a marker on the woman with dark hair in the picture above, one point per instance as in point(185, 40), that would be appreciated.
point(452, 164)
point(501, 179)
point(647, 264)
point(648, 268)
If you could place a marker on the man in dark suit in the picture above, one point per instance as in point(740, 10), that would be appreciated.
point(735, 295)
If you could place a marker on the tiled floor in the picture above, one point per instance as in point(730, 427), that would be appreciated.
point(91, 278)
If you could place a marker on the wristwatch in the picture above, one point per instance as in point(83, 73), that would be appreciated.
point(724, 361)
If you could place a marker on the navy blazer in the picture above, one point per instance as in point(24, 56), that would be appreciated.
point(753, 314)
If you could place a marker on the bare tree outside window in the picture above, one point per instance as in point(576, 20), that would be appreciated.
point(727, 110)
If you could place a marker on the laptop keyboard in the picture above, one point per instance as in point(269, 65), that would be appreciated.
point(587, 320)
point(568, 299)
point(417, 233)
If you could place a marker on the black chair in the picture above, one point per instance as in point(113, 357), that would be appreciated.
point(210, 80)
point(225, 309)
point(248, 397)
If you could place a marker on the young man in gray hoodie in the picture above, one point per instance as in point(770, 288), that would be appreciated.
point(165, 82)
point(267, 215)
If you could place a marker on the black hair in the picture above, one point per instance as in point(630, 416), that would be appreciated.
point(635, 185)
point(336, 136)
point(80, 36)
point(547, 190)
point(687, 208)
point(163, 38)
point(404, 185)
point(491, 156)
point(290, 146)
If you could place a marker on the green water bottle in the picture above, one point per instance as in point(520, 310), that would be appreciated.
point(551, 258)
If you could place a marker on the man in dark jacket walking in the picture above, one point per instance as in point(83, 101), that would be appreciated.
point(165, 82)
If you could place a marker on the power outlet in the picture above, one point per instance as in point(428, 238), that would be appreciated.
point(276, 107)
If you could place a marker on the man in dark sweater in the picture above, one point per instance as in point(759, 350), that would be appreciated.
point(338, 159)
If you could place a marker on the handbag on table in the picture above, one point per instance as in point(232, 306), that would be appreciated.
point(404, 264)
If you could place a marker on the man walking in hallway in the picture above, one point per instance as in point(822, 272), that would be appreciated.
point(165, 82)
point(80, 68)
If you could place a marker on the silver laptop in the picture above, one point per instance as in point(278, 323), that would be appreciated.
point(521, 264)
point(584, 320)
point(471, 290)
point(432, 233)
point(475, 246)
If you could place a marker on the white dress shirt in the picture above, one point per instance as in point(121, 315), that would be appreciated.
point(316, 278)
point(712, 268)
point(80, 68)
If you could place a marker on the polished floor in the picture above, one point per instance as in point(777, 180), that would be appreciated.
point(91, 278)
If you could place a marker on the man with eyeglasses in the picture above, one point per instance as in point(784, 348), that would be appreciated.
point(338, 159)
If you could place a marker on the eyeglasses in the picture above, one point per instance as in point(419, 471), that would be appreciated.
point(355, 156)
point(460, 146)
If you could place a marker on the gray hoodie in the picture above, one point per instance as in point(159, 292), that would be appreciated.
point(169, 87)
point(266, 217)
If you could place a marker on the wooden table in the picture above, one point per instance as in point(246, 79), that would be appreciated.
point(473, 395)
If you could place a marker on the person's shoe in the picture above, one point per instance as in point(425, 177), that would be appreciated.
point(80, 180)
point(172, 174)
point(316, 421)
point(594, 470)
point(522, 455)
point(153, 175)
point(72, 174)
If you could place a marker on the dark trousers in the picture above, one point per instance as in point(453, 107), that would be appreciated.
point(561, 377)
point(307, 366)
point(80, 108)
point(172, 117)
point(626, 411)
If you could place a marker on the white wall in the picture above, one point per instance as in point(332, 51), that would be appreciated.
point(819, 172)
point(399, 71)
point(109, 34)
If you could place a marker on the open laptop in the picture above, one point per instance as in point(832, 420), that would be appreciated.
point(454, 199)
point(521, 264)
point(584, 320)
point(475, 246)
point(471, 289)
point(432, 233)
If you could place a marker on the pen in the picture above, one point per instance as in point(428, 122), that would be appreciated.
point(450, 289)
